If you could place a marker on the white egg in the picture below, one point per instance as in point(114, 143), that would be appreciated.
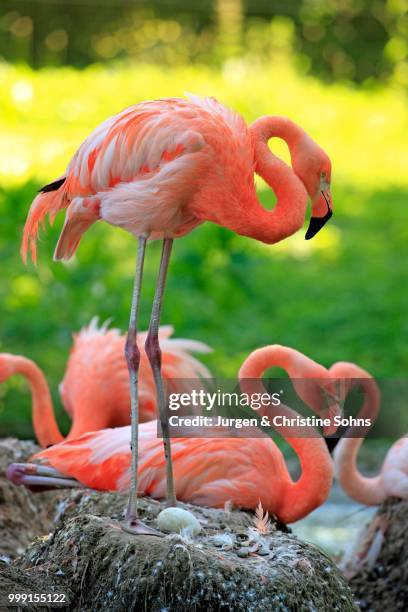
point(175, 520)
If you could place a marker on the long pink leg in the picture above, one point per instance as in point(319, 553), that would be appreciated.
point(153, 352)
point(133, 524)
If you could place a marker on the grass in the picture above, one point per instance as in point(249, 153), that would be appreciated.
point(341, 296)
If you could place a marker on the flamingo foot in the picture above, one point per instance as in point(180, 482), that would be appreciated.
point(135, 526)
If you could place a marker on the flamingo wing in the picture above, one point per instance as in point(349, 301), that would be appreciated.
point(153, 152)
point(95, 388)
point(97, 459)
point(207, 471)
point(128, 146)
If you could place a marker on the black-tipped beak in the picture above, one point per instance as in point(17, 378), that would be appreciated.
point(316, 224)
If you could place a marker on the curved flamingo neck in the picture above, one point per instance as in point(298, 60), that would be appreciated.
point(313, 486)
point(289, 212)
point(360, 488)
point(270, 356)
point(273, 126)
point(44, 423)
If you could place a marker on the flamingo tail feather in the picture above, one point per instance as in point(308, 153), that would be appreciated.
point(48, 202)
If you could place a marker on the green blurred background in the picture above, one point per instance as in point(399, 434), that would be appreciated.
point(339, 68)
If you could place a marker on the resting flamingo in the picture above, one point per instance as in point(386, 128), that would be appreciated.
point(208, 471)
point(392, 481)
point(95, 388)
point(161, 168)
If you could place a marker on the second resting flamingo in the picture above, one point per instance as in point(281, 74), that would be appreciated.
point(208, 471)
point(158, 170)
point(95, 388)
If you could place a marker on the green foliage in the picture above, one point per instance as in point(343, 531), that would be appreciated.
point(341, 296)
point(357, 40)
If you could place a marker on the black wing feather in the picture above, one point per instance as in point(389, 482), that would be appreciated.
point(54, 186)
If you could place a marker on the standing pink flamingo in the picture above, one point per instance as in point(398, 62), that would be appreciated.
point(160, 168)
point(392, 481)
point(208, 471)
point(95, 388)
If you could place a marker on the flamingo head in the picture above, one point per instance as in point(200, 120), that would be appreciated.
point(6, 366)
point(319, 390)
point(321, 397)
point(332, 405)
point(313, 166)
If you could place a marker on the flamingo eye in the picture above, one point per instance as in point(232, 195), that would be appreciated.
point(324, 181)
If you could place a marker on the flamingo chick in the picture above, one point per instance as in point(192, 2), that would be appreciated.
point(161, 168)
point(208, 471)
point(392, 481)
point(95, 388)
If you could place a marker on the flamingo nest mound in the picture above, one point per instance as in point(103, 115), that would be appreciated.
point(380, 579)
point(83, 553)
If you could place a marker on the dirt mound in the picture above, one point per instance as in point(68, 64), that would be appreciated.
point(229, 566)
point(28, 582)
point(380, 569)
point(83, 553)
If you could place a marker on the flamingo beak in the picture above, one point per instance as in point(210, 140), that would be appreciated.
point(316, 223)
point(38, 477)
